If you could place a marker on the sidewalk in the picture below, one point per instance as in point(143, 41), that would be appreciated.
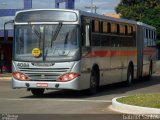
point(5, 76)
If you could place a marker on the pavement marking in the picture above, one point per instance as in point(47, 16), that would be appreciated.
point(59, 100)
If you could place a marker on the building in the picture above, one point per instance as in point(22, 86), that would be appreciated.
point(114, 15)
point(8, 8)
point(7, 12)
point(68, 3)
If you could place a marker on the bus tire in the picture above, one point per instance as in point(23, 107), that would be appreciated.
point(94, 84)
point(37, 92)
point(149, 72)
point(129, 76)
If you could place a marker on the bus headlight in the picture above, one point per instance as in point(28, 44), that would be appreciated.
point(67, 77)
point(20, 76)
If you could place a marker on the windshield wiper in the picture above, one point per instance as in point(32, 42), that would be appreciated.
point(38, 36)
point(55, 34)
point(66, 40)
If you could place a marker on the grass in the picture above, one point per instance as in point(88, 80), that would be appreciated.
point(143, 100)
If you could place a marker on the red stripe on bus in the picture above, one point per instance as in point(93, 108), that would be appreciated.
point(149, 52)
point(116, 53)
point(111, 53)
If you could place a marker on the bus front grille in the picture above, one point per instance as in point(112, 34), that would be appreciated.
point(44, 74)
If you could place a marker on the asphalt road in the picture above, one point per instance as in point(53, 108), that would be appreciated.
point(69, 105)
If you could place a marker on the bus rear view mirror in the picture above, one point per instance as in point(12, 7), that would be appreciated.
point(6, 31)
point(87, 38)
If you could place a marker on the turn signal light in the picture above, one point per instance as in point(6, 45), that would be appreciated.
point(20, 76)
point(68, 77)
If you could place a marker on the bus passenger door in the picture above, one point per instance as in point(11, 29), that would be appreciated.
point(86, 44)
point(86, 60)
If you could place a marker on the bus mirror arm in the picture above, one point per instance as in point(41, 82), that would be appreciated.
point(5, 31)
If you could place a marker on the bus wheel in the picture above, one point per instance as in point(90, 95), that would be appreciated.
point(129, 76)
point(37, 92)
point(150, 72)
point(93, 83)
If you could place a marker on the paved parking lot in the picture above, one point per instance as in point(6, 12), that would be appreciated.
point(71, 103)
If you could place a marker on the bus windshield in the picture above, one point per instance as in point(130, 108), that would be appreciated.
point(50, 41)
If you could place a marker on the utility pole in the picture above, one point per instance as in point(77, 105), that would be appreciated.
point(92, 7)
point(3, 5)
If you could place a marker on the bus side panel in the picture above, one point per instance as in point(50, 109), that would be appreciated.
point(131, 56)
point(146, 53)
point(146, 60)
point(124, 62)
point(86, 64)
point(150, 51)
point(101, 57)
point(116, 64)
point(103, 60)
point(147, 49)
point(111, 62)
point(140, 51)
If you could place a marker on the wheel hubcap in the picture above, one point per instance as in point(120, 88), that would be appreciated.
point(93, 82)
point(130, 78)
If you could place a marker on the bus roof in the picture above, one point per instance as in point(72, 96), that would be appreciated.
point(93, 15)
point(146, 25)
point(80, 12)
point(106, 17)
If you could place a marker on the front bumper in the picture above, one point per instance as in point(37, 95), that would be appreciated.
point(71, 85)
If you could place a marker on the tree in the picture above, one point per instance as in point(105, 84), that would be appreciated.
point(147, 11)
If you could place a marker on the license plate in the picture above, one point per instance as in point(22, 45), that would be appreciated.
point(44, 85)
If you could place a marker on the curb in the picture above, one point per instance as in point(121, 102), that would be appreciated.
point(5, 78)
point(130, 109)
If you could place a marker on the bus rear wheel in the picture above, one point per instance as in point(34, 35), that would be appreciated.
point(129, 76)
point(150, 72)
point(37, 92)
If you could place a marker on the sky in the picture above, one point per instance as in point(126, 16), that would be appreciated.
point(104, 6)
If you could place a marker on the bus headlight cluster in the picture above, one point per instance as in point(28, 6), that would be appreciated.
point(67, 77)
point(20, 76)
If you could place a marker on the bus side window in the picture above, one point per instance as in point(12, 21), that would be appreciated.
point(113, 28)
point(104, 27)
point(109, 27)
point(118, 29)
point(126, 30)
point(149, 37)
point(122, 29)
point(96, 26)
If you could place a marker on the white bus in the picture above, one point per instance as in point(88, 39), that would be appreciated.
point(76, 50)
